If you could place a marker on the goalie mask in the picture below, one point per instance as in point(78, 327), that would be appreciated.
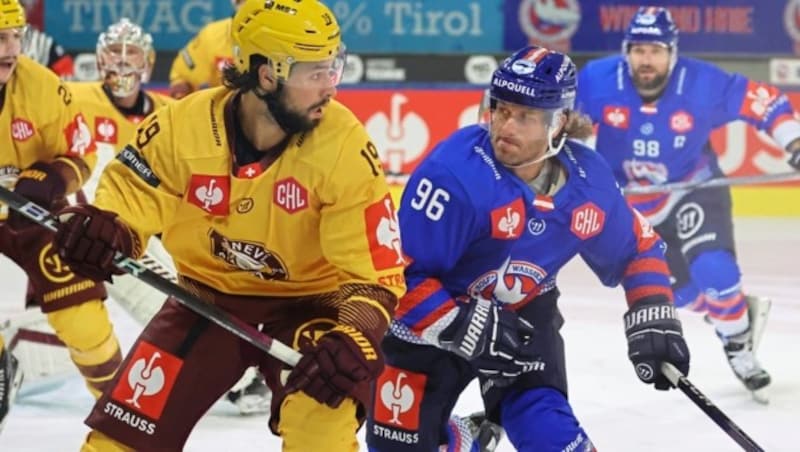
point(125, 57)
point(541, 81)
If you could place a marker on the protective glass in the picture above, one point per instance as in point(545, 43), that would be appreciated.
point(318, 74)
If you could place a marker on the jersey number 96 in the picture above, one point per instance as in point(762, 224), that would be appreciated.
point(429, 199)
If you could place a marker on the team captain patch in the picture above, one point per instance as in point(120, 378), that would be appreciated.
point(131, 158)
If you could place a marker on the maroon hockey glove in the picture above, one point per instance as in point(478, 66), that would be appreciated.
point(655, 336)
point(88, 238)
point(42, 184)
point(332, 370)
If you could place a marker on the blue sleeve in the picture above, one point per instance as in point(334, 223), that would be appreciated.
point(629, 251)
point(438, 223)
point(736, 97)
point(583, 99)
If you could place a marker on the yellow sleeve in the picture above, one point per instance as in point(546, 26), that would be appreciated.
point(360, 235)
point(68, 136)
point(192, 64)
point(142, 184)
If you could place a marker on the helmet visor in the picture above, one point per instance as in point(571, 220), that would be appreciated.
point(318, 74)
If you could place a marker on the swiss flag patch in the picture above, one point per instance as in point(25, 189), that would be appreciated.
point(399, 397)
point(587, 221)
point(508, 220)
point(616, 116)
point(147, 381)
point(383, 234)
point(210, 193)
point(105, 130)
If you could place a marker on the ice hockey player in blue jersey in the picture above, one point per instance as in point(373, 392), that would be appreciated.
point(488, 220)
point(655, 111)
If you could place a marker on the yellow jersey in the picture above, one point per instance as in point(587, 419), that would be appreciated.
point(317, 218)
point(111, 127)
point(200, 63)
point(43, 122)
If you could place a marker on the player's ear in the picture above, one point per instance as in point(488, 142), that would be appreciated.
point(266, 77)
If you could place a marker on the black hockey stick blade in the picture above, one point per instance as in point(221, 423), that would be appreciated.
point(725, 423)
point(234, 325)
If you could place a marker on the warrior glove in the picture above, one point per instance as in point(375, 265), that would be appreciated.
point(42, 184)
point(495, 340)
point(655, 336)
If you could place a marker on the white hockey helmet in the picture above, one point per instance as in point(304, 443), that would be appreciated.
point(125, 57)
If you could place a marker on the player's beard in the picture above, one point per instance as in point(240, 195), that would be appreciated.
point(654, 84)
point(289, 120)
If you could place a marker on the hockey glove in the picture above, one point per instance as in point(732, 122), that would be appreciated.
point(42, 184)
point(495, 340)
point(333, 369)
point(655, 336)
point(88, 239)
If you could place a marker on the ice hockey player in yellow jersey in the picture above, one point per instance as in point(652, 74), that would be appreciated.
point(201, 62)
point(270, 197)
point(46, 153)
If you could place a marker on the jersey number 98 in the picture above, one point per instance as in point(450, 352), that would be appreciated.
point(646, 148)
point(430, 199)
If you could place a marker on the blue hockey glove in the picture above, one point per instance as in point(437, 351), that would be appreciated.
point(495, 340)
point(655, 336)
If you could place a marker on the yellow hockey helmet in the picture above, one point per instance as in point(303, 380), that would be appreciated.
point(286, 32)
point(12, 14)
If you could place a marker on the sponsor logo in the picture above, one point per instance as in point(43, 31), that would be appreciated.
point(479, 69)
point(399, 399)
point(121, 414)
point(53, 268)
point(690, 218)
point(616, 116)
point(290, 195)
point(587, 221)
point(383, 234)
point(105, 130)
point(80, 138)
point(549, 21)
point(21, 129)
point(516, 281)
point(210, 193)
point(131, 158)
point(147, 381)
point(759, 100)
point(251, 257)
point(508, 220)
point(536, 226)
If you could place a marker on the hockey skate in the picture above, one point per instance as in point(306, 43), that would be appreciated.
point(741, 349)
point(485, 433)
point(251, 394)
point(10, 381)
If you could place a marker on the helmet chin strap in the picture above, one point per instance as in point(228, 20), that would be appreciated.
point(552, 149)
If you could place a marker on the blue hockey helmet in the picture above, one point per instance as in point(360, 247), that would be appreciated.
point(536, 77)
point(651, 24)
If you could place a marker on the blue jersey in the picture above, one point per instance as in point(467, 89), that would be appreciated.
point(668, 140)
point(471, 227)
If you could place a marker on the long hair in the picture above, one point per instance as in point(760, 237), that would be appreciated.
point(243, 81)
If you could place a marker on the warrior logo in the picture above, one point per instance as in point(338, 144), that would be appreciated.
point(248, 256)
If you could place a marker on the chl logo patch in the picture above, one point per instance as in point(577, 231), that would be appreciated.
point(399, 398)
point(21, 129)
point(148, 379)
point(681, 122)
point(587, 221)
point(290, 195)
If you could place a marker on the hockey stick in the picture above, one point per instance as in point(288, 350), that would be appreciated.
point(715, 182)
point(725, 423)
point(225, 320)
